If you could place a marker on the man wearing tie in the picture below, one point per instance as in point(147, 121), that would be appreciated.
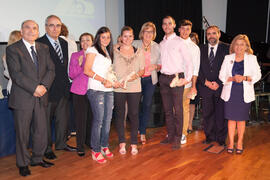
point(58, 107)
point(209, 85)
point(32, 73)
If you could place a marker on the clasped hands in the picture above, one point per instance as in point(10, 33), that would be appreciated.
point(238, 78)
point(40, 91)
point(213, 85)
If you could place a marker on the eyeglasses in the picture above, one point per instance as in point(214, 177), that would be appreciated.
point(149, 32)
point(54, 26)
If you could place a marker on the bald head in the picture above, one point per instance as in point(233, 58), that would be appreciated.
point(29, 31)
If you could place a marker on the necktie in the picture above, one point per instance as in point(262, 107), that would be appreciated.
point(58, 51)
point(34, 56)
point(211, 56)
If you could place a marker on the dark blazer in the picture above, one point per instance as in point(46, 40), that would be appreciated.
point(211, 73)
point(61, 84)
point(26, 77)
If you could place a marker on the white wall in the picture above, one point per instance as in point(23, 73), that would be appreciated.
point(115, 16)
point(215, 12)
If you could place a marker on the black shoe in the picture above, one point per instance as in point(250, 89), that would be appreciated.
point(207, 141)
point(50, 155)
point(43, 163)
point(189, 131)
point(222, 144)
point(176, 146)
point(70, 148)
point(80, 153)
point(165, 141)
point(24, 171)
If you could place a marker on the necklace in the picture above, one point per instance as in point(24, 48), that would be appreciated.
point(146, 47)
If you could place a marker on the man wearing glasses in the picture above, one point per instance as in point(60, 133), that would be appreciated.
point(58, 106)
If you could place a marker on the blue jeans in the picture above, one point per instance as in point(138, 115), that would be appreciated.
point(102, 106)
point(148, 90)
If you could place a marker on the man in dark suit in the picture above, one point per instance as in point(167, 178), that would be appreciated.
point(32, 73)
point(209, 85)
point(58, 107)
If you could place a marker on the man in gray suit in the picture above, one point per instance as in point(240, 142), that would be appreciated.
point(32, 73)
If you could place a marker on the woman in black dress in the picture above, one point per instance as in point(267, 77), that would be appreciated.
point(239, 72)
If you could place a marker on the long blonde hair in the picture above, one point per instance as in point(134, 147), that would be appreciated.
point(14, 36)
point(244, 38)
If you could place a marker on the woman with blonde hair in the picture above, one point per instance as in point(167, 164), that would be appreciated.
point(149, 79)
point(239, 72)
point(14, 36)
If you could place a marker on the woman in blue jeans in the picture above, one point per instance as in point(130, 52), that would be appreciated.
point(99, 59)
point(149, 79)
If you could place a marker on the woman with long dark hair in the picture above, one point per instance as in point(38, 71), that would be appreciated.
point(99, 59)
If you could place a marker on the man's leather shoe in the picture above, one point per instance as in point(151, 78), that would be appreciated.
point(207, 141)
point(222, 144)
point(43, 163)
point(50, 155)
point(70, 148)
point(24, 171)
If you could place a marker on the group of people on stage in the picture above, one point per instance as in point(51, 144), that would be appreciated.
point(107, 77)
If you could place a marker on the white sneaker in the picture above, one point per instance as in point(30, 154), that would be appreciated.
point(183, 139)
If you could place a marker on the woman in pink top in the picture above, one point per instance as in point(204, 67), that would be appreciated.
point(149, 79)
point(79, 89)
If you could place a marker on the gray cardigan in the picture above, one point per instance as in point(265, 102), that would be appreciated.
point(155, 57)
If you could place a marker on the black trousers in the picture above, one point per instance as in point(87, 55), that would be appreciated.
point(81, 106)
point(132, 100)
point(60, 111)
point(172, 100)
point(215, 126)
point(23, 119)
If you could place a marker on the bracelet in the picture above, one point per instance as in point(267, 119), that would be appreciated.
point(246, 78)
point(137, 75)
point(94, 76)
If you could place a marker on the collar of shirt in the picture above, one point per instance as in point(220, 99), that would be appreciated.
point(170, 37)
point(28, 46)
point(215, 48)
point(52, 41)
point(188, 40)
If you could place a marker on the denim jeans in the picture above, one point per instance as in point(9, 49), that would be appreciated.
point(102, 106)
point(148, 90)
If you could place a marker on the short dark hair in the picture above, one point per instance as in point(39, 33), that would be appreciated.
point(97, 43)
point(86, 34)
point(126, 28)
point(185, 22)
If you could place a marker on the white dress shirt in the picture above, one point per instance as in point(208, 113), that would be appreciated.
point(195, 56)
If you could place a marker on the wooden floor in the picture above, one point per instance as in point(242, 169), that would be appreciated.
point(156, 161)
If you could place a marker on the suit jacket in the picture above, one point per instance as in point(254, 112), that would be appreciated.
point(26, 77)
point(251, 68)
point(209, 73)
point(155, 57)
point(79, 79)
point(61, 84)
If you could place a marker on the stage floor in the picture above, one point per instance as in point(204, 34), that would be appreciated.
point(156, 161)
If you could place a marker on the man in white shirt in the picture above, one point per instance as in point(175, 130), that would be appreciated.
point(190, 90)
point(175, 59)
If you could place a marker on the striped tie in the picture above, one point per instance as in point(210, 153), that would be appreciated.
point(34, 56)
point(58, 51)
point(211, 56)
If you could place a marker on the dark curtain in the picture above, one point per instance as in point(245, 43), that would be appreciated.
point(247, 17)
point(138, 12)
